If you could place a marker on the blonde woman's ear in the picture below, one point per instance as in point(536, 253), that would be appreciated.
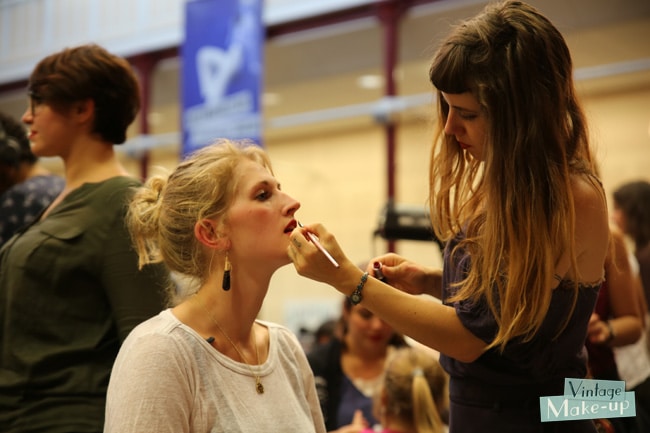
point(206, 233)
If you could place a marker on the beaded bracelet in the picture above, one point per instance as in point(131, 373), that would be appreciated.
point(356, 296)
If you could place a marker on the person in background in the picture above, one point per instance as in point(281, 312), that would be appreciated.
point(349, 368)
point(26, 187)
point(326, 331)
point(206, 363)
point(632, 215)
point(413, 396)
point(70, 288)
point(617, 321)
point(514, 195)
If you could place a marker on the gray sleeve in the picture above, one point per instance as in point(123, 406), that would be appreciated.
point(150, 389)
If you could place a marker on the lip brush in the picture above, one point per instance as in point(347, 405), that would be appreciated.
point(315, 241)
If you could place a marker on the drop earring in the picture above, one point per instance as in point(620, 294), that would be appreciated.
point(225, 284)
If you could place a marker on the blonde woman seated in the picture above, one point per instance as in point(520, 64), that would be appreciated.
point(207, 364)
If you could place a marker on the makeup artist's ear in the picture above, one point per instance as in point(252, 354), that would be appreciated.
point(207, 233)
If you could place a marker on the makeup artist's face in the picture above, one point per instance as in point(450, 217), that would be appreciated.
point(466, 122)
point(261, 217)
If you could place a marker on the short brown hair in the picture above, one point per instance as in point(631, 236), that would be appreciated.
point(90, 72)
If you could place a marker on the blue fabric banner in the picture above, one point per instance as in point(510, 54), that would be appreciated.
point(222, 71)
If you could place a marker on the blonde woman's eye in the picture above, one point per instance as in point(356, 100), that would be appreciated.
point(262, 195)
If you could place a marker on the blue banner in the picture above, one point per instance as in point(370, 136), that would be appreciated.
point(222, 71)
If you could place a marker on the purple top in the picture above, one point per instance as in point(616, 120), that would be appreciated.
point(524, 372)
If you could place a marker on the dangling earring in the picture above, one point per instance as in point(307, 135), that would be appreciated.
point(225, 284)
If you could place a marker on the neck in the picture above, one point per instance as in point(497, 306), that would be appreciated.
point(91, 161)
point(234, 316)
point(230, 340)
point(364, 355)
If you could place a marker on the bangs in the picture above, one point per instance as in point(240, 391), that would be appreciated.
point(450, 70)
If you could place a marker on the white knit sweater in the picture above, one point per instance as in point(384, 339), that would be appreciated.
point(167, 378)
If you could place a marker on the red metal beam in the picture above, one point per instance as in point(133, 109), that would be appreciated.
point(390, 13)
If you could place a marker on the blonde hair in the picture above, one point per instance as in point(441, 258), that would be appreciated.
point(516, 207)
point(415, 389)
point(163, 212)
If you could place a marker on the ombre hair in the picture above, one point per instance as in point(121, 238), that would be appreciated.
point(515, 207)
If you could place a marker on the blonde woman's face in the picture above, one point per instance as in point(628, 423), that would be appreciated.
point(260, 218)
point(466, 122)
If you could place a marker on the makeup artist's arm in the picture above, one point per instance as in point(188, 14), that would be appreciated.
point(408, 276)
point(426, 320)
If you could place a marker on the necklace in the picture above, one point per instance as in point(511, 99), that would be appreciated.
point(258, 383)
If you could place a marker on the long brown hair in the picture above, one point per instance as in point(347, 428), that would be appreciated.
point(515, 207)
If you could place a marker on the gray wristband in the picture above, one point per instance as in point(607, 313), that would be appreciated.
point(356, 296)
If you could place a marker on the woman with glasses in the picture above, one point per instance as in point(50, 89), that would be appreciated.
point(70, 288)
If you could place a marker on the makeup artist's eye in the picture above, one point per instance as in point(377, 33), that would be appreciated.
point(467, 115)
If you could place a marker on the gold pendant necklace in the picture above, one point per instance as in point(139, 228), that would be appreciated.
point(258, 383)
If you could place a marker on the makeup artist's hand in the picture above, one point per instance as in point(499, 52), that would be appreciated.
point(408, 276)
point(312, 263)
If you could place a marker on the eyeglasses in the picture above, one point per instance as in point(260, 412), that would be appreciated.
point(35, 100)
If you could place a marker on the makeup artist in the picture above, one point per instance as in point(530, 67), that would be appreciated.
point(206, 363)
point(514, 195)
point(70, 288)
